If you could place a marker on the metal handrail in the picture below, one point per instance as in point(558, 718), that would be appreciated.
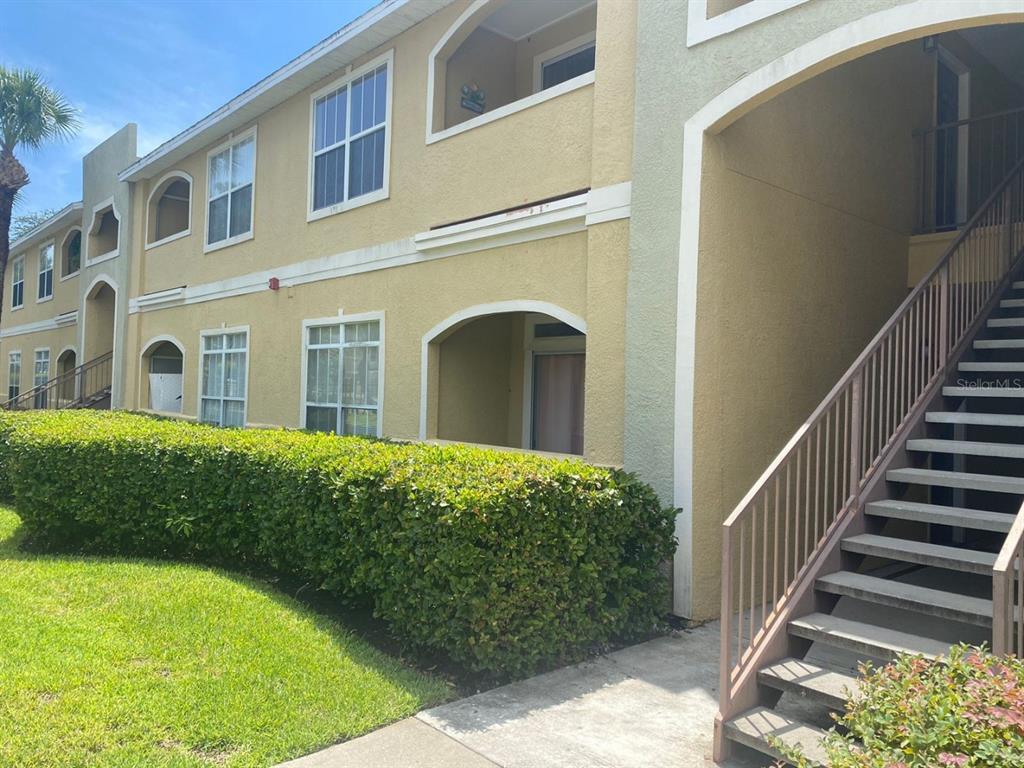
point(777, 537)
point(39, 395)
point(960, 163)
point(1008, 593)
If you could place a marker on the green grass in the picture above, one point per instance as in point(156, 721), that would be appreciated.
point(108, 662)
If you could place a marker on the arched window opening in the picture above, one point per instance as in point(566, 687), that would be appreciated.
point(104, 234)
point(170, 208)
point(71, 253)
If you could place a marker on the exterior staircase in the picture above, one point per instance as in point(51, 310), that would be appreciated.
point(892, 523)
point(87, 386)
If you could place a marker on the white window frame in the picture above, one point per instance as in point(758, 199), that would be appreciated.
point(202, 353)
point(16, 262)
point(81, 252)
point(559, 52)
point(40, 272)
point(343, 320)
point(187, 178)
point(383, 193)
point(231, 141)
point(14, 353)
point(35, 363)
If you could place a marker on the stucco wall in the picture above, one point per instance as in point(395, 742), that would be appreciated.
point(55, 340)
point(665, 101)
point(65, 292)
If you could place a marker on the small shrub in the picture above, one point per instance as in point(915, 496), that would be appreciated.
point(964, 712)
point(505, 562)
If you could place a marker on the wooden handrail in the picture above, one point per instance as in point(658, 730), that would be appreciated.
point(780, 535)
point(1008, 593)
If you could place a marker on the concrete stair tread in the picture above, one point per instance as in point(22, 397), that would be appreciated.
point(949, 479)
point(868, 639)
point(1007, 366)
point(1011, 303)
point(755, 727)
point(1001, 450)
point(975, 419)
point(983, 391)
point(821, 684)
point(921, 553)
point(936, 514)
point(1005, 322)
point(999, 344)
point(896, 594)
point(1018, 285)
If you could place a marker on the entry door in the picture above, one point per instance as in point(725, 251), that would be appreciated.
point(558, 402)
point(950, 144)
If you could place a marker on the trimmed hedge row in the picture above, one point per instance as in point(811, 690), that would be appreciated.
point(504, 562)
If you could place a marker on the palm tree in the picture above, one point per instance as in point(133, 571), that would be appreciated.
point(31, 114)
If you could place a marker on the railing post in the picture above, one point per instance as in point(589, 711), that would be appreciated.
point(1000, 603)
point(725, 662)
point(944, 314)
point(856, 432)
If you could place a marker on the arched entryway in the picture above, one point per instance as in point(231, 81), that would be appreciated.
point(98, 323)
point(509, 374)
point(755, 175)
point(162, 372)
point(66, 364)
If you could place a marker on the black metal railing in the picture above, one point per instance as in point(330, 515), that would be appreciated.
point(961, 163)
point(76, 388)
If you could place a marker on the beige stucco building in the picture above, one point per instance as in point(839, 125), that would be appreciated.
point(651, 233)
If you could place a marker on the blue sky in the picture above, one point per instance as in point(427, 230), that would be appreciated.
point(163, 65)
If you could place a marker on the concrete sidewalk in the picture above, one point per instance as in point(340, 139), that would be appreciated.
point(648, 706)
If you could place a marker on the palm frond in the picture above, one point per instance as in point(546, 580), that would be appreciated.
point(32, 112)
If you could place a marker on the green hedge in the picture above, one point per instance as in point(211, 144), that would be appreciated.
point(504, 562)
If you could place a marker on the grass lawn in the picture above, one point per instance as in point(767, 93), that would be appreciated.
point(109, 662)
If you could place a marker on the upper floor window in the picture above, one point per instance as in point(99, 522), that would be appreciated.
point(18, 282)
point(350, 141)
point(343, 378)
point(231, 173)
point(225, 368)
point(45, 273)
point(71, 253)
point(169, 212)
point(41, 375)
point(501, 57)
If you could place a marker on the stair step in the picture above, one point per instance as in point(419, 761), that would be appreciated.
point(1018, 285)
point(756, 726)
point(1011, 303)
point(975, 419)
point(921, 553)
point(908, 597)
point(966, 447)
point(935, 514)
point(821, 684)
point(1006, 322)
point(866, 639)
point(948, 479)
point(999, 344)
point(997, 367)
point(983, 391)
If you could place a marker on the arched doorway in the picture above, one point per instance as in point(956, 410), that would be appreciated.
point(799, 188)
point(66, 364)
point(511, 374)
point(162, 375)
point(98, 325)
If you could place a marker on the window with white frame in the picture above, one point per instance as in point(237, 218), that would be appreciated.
point(567, 64)
point(41, 375)
point(349, 139)
point(343, 378)
point(18, 282)
point(45, 272)
point(224, 373)
point(229, 193)
point(13, 375)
